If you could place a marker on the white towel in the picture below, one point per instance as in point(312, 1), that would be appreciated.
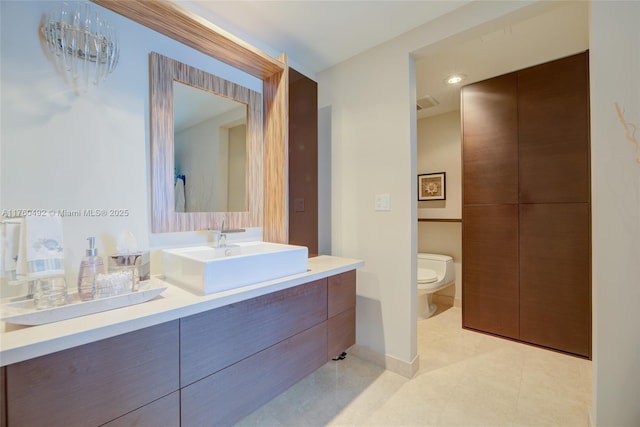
point(41, 250)
point(179, 195)
point(10, 246)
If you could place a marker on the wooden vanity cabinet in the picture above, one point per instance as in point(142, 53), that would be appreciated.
point(216, 339)
point(227, 396)
point(341, 313)
point(93, 384)
point(236, 358)
point(212, 368)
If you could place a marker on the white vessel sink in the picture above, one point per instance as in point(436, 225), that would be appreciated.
point(205, 270)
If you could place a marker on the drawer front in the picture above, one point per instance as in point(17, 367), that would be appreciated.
point(232, 393)
point(218, 338)
point(341, 332)
point(94, 383)
point(341, 292)
point(164, 412)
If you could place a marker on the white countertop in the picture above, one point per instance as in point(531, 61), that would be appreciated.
point(18, 343)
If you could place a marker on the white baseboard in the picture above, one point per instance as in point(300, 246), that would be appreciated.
point(406, 369)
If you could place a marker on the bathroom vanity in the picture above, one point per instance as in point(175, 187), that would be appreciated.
point(180, 359)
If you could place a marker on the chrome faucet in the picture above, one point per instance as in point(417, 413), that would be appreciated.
point(220, 236)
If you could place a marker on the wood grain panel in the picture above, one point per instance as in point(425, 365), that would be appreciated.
point(164, 71)
point(553, 110)
point(3, 400)
point(490, 141)
point(94, 383)
point(341, 292)
point(303, 161)
point(227, 396)
point(341, 332)
point(490, 270)
point(555, 278)
point(215, 339)
point(276, 164)
point(164, 412)
point(178, 23)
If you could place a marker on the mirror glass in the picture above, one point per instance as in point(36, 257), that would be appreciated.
point(210, 152)
point(218, 156)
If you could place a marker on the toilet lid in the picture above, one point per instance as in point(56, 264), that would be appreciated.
point(426, 275)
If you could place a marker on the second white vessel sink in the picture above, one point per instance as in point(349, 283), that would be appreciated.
point(205, 270)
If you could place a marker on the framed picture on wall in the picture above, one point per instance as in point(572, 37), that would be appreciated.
point(431, 186)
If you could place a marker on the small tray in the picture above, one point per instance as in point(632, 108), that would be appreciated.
point(25, 313)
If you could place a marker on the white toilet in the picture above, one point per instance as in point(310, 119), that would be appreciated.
point(435, 272)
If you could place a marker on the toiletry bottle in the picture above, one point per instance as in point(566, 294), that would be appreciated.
point(90, 267)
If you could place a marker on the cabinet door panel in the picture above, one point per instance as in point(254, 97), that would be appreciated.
point(94, 383)
point(490, 141)
point(555, 282)
point(227, 396)
point(341, 290)
point(490, 269)
point(215, 339)
point(341, 330)
point(303, 161)
point(553, 123)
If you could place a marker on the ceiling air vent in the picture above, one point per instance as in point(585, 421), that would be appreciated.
point(427, 102)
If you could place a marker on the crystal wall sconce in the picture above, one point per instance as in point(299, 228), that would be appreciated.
point(83, 45)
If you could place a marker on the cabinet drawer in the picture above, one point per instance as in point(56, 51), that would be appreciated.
point(94, 383)
point(164, 412)
point(232, 393)
point(341, 332)
point(341, 292)
point(218, 338)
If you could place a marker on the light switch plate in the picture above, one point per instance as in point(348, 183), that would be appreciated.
point(383, 202)
point(298, 205)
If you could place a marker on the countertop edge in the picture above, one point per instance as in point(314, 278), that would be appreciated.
point(21, 343)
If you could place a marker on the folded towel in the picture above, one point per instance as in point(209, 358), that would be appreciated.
point(10, 244)
point(41, 250)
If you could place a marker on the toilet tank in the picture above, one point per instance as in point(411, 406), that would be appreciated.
point(441, 264)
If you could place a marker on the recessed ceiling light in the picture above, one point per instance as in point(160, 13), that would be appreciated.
point(455, 79)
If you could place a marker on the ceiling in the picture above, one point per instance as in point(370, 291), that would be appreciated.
point(319, 34)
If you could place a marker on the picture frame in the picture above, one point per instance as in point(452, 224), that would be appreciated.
point(432, 186)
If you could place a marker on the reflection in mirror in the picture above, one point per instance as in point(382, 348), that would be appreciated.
point(210, 151)
point(215, 192)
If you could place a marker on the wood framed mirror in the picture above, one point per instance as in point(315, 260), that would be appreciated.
point(174, 21)
point(243, 210)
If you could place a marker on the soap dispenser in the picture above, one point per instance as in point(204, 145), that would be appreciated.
point(90, 267)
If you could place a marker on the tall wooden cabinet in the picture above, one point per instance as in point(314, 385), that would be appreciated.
point(303, 161)
point(526, 206)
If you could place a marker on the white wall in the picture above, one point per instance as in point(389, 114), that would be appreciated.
point(89, 151)
point(373, 151)
point(440, 150)
point(615, 165)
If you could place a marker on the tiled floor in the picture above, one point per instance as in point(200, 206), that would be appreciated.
point(465, 379)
